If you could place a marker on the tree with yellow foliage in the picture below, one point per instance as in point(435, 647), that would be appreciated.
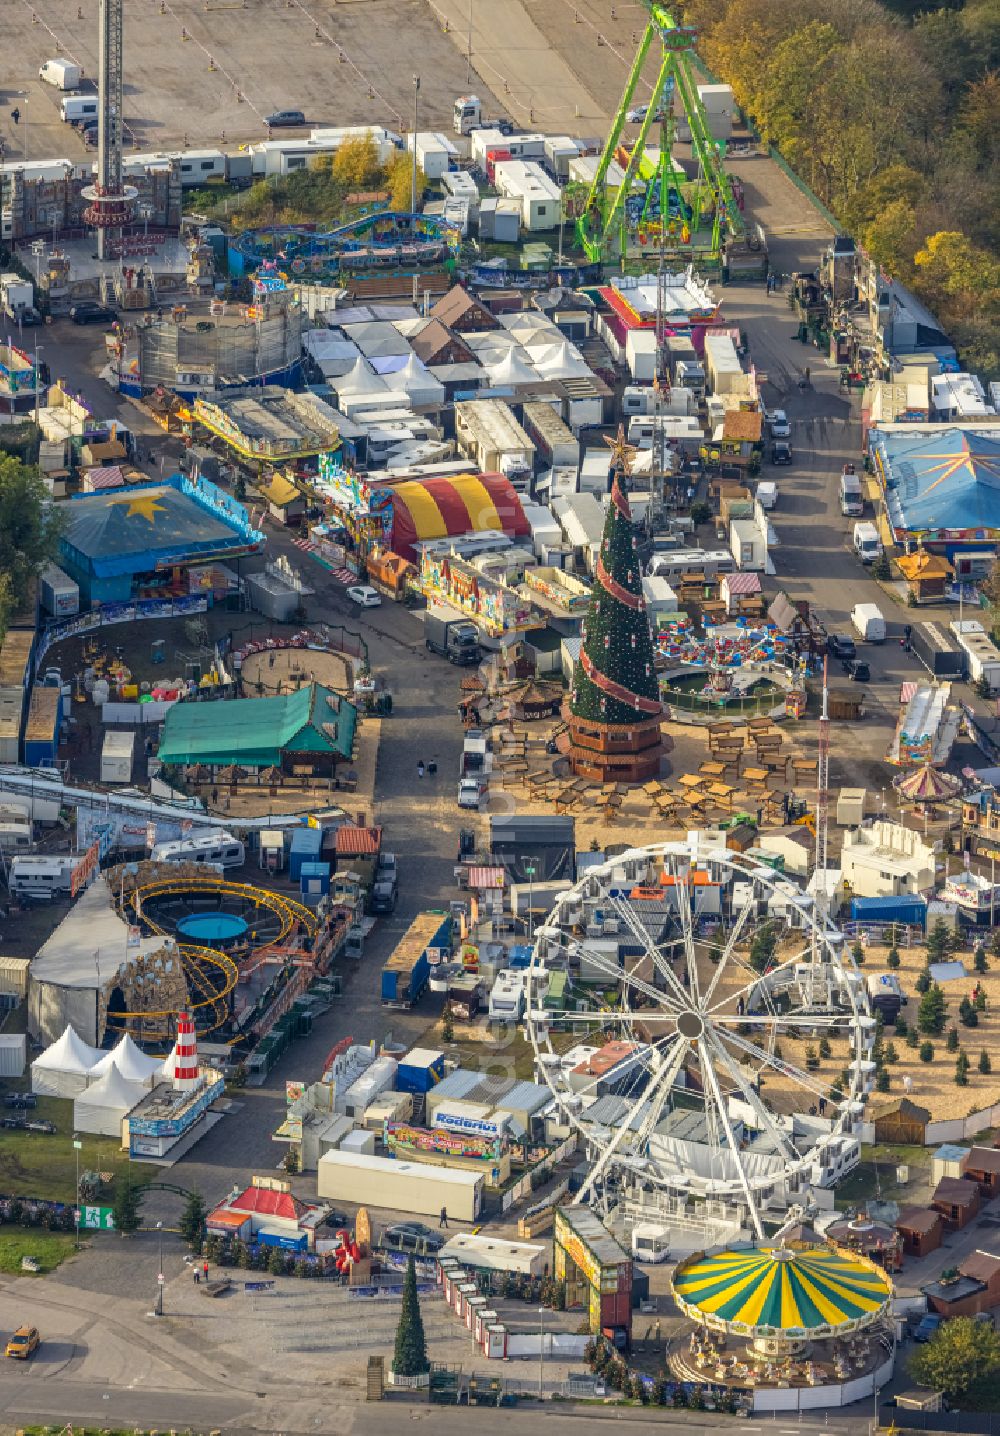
point(356, 163)
point(398, 180)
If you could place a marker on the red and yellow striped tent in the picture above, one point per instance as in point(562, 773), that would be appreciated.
point(445, 508)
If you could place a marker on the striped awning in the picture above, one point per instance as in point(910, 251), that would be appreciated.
point(818, 1290)
point(352, 841)
point(483, 877)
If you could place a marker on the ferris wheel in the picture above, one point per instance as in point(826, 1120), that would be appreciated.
point(658, 952)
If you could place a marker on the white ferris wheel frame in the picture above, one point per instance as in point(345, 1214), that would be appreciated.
point(696, 1026)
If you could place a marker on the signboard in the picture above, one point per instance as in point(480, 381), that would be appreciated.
point(294, 1089)
point(85, 869)
point(97, 1219)
point(400, 1137)
point(475, 1126)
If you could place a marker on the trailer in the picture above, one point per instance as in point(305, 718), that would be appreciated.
point(448, 632)
point(399, 1186)
point(63, 74)
point(553, 441)
point(406, 974)
point(58, 593)
point(981, 653)
point(937, 651)
point(117, 756)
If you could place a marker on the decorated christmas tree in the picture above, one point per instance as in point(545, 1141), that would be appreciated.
point(614, 704)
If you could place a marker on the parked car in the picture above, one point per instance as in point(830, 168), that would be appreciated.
point(841, 645)
point(781, 452)
point(639, 113)
point(339, 1221)
point(20, 1099)
point(927, 1326)
point(285, 117)
point(40, 1124)
point(14, 1124)
point(858, 671)
point(24, 1343)
point(365, 596)
point(470, 792)
point(88, 311)
point(412, 1237)
point(780, 427)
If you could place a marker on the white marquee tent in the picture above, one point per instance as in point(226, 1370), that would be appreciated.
point(62, 1069)
point(131, 1061)
point(101, 1108)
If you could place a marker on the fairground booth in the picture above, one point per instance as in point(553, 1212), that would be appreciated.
point(153, 540)
point(597, 1273)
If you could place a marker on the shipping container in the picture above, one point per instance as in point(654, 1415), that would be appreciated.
point(420, 1070)
point(41, 728)
point(59, 595)
point(904, 908)
point(306, 847)
point(14, 976)
point(117, 756)
point(937, 650)
point(11, 712)
point(405, 975)
point(398, 1185)
point(981, 653)
point(13, 1054)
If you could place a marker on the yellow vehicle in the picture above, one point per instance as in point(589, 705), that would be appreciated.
point(24, 1343)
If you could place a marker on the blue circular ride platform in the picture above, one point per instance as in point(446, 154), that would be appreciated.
point(212, 929)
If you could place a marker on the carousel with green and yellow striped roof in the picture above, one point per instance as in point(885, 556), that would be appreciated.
point(796, 1313)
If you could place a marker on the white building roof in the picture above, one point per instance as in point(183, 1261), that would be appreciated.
point(90, 945)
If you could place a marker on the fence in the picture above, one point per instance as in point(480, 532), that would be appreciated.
point(975, 1423)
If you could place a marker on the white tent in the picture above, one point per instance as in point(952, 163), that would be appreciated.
point(101, 1108)
point(131, 1062)
point(168, 1068)
point(559, 361)
point(61, 1070)
point(420, 386)
point(512, 369)
point(360, 380)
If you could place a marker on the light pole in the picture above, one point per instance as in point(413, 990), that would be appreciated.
point(77, 1144)
point(529, 868)
point(541, 1349)
point(413, 180)
point(38, 348)
point(159, 1276)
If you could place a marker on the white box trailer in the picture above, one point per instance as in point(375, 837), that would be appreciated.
point(117, 757)
point(398, 1186)
point(539, 197)
point(64, 74)
point(435, 152)
point(722, 364)
point(59, 595)
point(982, 655)
point(556, 444)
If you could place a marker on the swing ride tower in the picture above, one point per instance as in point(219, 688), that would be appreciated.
point(686, 219)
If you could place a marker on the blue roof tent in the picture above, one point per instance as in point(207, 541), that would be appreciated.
point(113, 537)
point(942, 485)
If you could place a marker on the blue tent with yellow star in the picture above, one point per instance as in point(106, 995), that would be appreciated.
point(818, 1290)
point(113, 537)
point(941, 484)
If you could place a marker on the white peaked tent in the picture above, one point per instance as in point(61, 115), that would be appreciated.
point(168, 1068)
point(559, 361)
point(360, 380)
point(512, 369)
point(61, 1070)
point(420, 386)
point(131, 1062)
point(101, 1108)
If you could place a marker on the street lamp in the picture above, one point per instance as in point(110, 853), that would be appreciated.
point(159, 1277)
point(413, 182)
point(541, 1348)
point(77, 1144)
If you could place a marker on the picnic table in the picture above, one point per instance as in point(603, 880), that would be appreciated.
point(754, 775)
point(712, 770)
point(690, 780)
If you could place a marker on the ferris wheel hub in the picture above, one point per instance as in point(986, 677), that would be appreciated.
point(691, 1024)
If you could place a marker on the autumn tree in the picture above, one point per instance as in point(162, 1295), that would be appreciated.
point(959, 1354)
point(356, 163)
point(30, 526)
point(398, 180)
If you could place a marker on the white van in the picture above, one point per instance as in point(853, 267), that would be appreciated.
point(868, 622)
point(216, 848)
point(867, 544)
point(767, 494)
point(78, 107)
point(41, 877)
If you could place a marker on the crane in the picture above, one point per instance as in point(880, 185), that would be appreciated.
point(686, 220)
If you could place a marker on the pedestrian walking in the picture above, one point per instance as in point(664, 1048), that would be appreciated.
point(420, 770)
point(432, 768)
point(443, 1222)
point(215, 796)
point(204, 1270)
point(197, 1277)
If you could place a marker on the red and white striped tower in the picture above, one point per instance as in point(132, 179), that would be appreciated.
point(185, 1054)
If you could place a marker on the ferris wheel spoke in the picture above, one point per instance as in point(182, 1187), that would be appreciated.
point(753, 1099)
point(758, 979)
point(708, 1071)
point(783, 1019)
point(727, 951)
point(622, 975)
point(652, 951)
point(787, 1069)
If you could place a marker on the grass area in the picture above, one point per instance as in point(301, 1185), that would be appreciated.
point(875, 1176)
point(48, 1249)
point(39, 1164)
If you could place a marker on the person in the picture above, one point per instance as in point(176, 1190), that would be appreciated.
point(204, 1269)
point(443, 1222)
point(197, 1277)
point(420, 769)
point(432, 768)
